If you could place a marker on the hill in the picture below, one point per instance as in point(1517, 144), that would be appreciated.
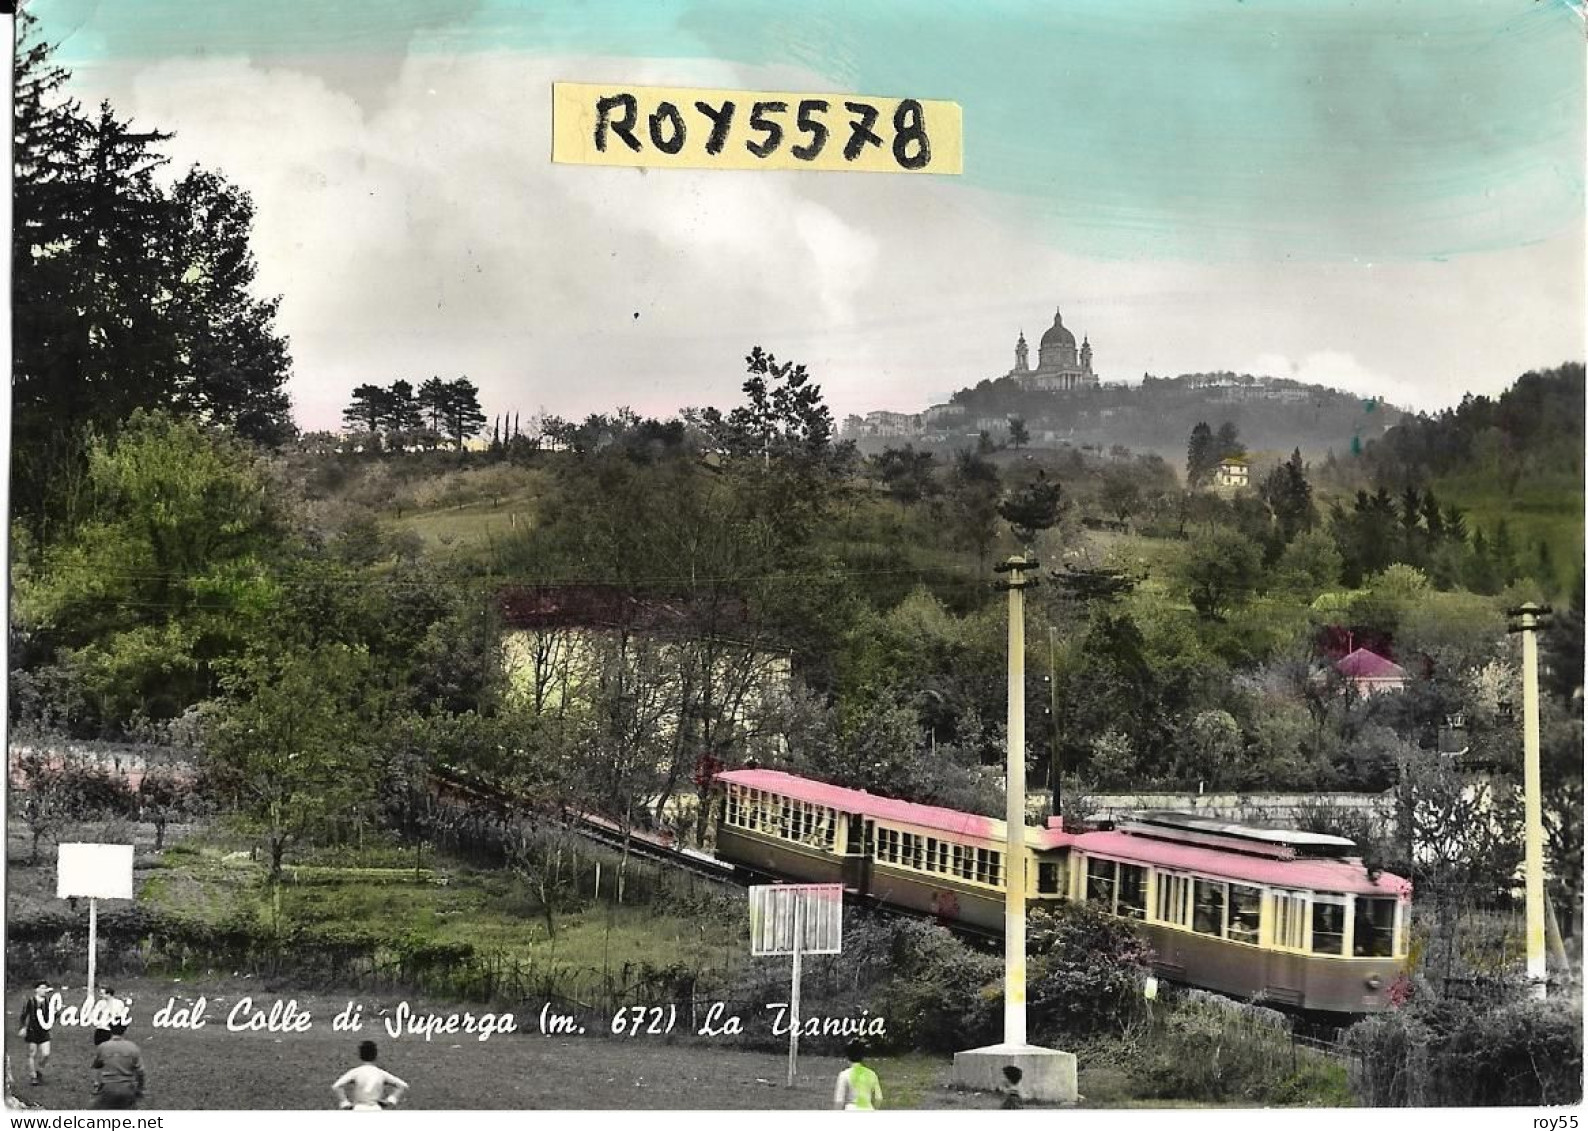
point(1156, 416)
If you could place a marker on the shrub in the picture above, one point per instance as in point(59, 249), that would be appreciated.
point(1445, 1053)
point(1085, 972)
point(1209, 1052)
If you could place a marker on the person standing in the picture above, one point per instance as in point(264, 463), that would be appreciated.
point(106, 1011)
point(1012, 1094)
point(36, 1024)
point(858, 1087)
point(368, 1082)
point(120, 1068)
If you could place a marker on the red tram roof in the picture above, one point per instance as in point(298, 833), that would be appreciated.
point(1346, 876)
point(888, 808)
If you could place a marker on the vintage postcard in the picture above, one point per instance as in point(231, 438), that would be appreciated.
point(719, 556)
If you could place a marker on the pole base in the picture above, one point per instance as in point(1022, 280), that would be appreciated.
point(1047, 1075)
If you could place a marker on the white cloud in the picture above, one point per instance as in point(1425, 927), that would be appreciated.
point(1338, 370)
point(425, 231)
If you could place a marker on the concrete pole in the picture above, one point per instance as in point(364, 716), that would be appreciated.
point(1534, 799)
point(1015, 816)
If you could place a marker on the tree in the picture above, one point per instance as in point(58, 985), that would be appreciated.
point(369, 411)
point(235, 365)
point(461, 413)
point(973, 502)
point(1019, 435)
point(785, 417)
point(168, 574)
point(127, 294)
point(1220, 571)
point(1033, 508)
point(1120, 496)
point(1227, 443)
point(1562, 648)
point(431, 400)
point(289, 744)
point(403, 412)
point(59, 788)
point(908, 474)
point(1289, 497)
point(1201, 457)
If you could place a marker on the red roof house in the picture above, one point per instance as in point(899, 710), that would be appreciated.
point(1369, 672)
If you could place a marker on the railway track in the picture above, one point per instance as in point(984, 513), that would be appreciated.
point(1307, 1030)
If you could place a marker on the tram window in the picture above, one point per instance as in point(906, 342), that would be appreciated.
point(1246, 912)
point(1207, 917)
point(1047, 878)
point(1289, 916)
point(918, 852)
point(1100, 882)
point(1172, 899)
point(993, 860)
point(1132, 891)
point(1373, 934)
point(981, 865)
point(942, 856)
point(852, 844)
point(1328, 925)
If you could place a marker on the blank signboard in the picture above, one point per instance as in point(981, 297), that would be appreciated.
point(94, 871)
point(821, 916)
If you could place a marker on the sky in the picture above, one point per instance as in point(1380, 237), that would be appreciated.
point(1387, 198)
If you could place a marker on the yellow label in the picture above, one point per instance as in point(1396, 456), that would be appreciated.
point(657, 127)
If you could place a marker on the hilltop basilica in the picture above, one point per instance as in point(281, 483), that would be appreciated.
point(1059, 367)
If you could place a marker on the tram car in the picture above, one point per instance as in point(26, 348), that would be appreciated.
point(1288, 918)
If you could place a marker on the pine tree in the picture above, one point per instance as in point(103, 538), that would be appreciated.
point(432, 401)
point(402, 412)
point(461, 412)
point(368, 411)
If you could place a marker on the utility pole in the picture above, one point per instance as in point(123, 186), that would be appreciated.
point(1015, 805)
point(1054, 768)
point(1049, 1075)
point(1530, 619)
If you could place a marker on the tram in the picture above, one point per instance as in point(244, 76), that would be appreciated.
point(1288, 918)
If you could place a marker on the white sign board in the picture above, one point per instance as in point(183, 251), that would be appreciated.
point(817, 908)
point(94, 871)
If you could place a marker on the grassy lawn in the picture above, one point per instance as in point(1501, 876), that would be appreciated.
point(218, 1067)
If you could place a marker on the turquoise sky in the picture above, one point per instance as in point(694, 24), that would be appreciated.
point(1124, 129)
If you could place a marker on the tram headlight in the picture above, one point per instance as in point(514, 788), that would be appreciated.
point(1374, 981)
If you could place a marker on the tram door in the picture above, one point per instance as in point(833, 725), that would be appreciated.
point(859, 848)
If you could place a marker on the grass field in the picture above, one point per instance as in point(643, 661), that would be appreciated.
point(215, 1069)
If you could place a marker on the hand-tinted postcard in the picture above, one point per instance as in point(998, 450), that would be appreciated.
point(796, 556)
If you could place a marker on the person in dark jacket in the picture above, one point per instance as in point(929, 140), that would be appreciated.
point(36, 1023)
point(120, 1068)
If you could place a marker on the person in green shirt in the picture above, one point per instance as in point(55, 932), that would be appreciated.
point(858, 1087)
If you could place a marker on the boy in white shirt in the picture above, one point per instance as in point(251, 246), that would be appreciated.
point(368, 1083)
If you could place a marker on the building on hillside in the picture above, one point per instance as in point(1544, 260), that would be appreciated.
point(688, 674)
point(1371, 673)
point(943, 414)
point(1233, 472)
point(1060, 366)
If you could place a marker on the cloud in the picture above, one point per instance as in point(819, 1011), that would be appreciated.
point(420, 229)
point(1339, 370)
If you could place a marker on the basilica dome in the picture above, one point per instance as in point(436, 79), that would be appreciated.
point(1057, 335)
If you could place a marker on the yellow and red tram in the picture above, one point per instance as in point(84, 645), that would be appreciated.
point(1286, 917)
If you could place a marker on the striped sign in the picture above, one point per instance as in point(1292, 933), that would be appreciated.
point(781, 912)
